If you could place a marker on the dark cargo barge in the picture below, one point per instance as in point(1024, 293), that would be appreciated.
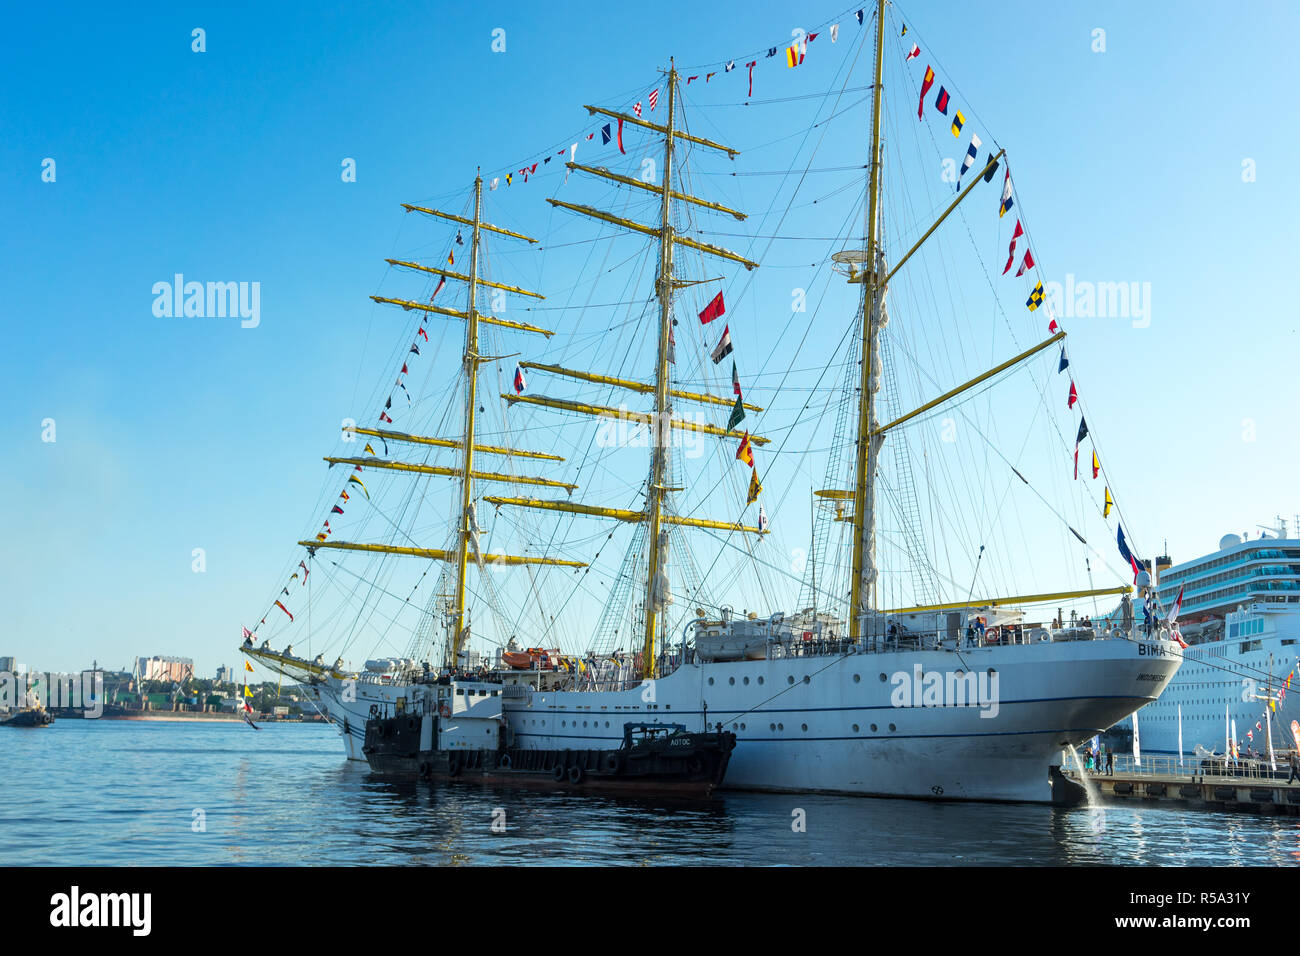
point(655, 758)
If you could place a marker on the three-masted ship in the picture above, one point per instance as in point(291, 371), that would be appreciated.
point(965, 698)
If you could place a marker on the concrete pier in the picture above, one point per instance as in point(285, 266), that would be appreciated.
point(1199, 784)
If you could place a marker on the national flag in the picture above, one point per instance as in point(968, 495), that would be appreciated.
point(915, 51)
point(654, 98)
point(745, 452)
point(794, 55)
point(286, 611)
point(353, 479)
point(620, 135)
point(971, 152)
point(737, 415)
point(941, 101)
point(520, 384)
point(751, 64)
point(1006, 194)
point(1035, 298)
point(715, 308)
point(724, 345)
point(1074, 396)
point(1011, 249)
point(637, 109)
point(1064, 363)
point(604, 134)
point(755, 488)
point(762, 519)
point(958, 121)
point(1096, 463)
point(1028, 263)
point(1126, 554)
point(925, 88)
point(735, 380)
point(1178, 606)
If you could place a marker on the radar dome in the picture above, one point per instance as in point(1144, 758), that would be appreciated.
point(1143, 579)
point(1228, 541)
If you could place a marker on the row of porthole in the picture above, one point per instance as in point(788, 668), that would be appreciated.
point(856, 728)
point(584, 723)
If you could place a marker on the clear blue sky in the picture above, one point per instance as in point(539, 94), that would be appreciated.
point(225, 165)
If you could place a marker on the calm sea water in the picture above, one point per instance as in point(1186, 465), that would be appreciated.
point(125, 793)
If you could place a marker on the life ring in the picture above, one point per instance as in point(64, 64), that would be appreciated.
point(504, 762)
point(612, 762)
point(559, 772)
point(453, 765)
point(575, 775)
point(695, 764)
point(444, 710)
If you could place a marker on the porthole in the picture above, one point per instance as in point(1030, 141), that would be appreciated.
point(892, 728)
point(773, 726)
point(855, 728)
point(760, 680)
point(742, 726)
point(873, 728)
point(780, 726)
point(790, 679)
point(857, 678)
point(731, 680)
point(710, 681)
point(807, 678)
point(746, 681)
point(883, 678)
point(805, 727)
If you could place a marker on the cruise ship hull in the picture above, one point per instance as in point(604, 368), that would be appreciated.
point(860, 723)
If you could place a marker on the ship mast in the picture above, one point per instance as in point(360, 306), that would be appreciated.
point(873, 297)
point(657, 576)
point(472, 359)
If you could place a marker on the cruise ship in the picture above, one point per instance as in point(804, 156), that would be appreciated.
point(1240, 617)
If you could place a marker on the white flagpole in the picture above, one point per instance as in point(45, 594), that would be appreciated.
point(1180, 735)
point(1137, 749)
point(1234, 741)
point(1227, 736)
point(1268, 727)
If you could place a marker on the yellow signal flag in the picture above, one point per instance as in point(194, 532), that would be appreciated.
point(369, 449)
point(248, 691)
point(248, 666)
point(1110, 503)
point(755, 488)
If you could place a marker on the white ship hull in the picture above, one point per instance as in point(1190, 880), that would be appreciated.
point(831, 724)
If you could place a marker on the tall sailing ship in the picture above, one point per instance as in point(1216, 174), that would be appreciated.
point(898, 650)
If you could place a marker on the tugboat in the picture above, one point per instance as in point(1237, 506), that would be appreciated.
point(34, 715)
point(464, 737)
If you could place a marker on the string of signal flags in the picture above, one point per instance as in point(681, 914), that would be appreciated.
point(1037, 296)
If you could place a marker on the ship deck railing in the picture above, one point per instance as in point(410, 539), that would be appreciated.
point(1164, 765)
